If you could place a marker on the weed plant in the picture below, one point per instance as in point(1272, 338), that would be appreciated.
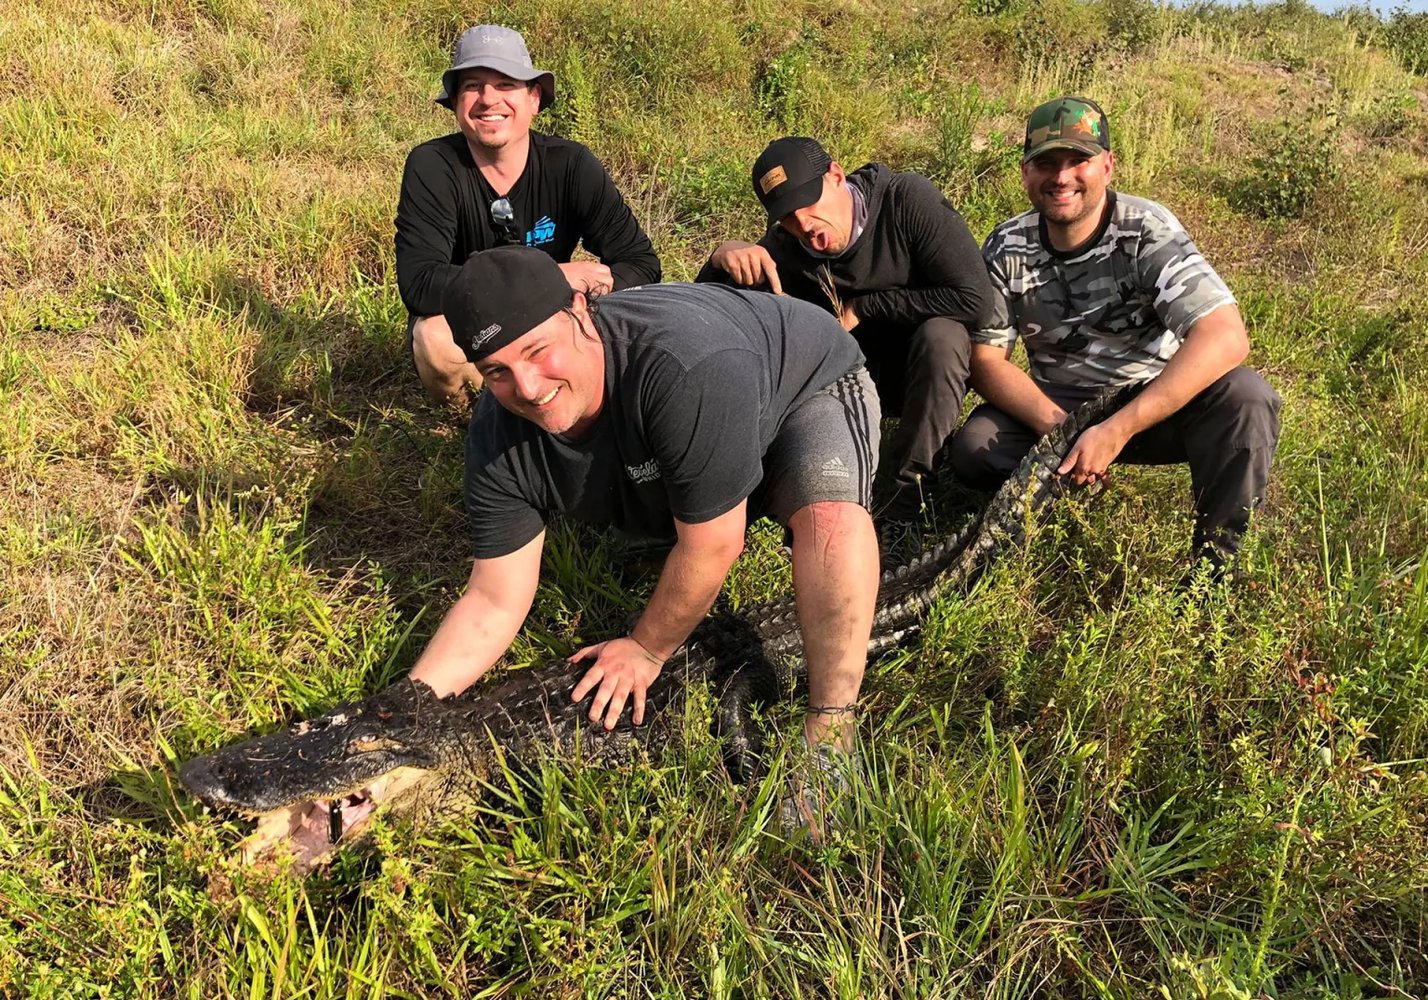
point(224, 503)
point(1407, 38)
point(1300, 158)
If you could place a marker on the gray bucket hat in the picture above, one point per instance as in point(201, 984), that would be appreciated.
point(491, 46)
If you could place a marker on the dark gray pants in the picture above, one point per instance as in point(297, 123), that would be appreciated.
point(921, 375)
point(1227, 434)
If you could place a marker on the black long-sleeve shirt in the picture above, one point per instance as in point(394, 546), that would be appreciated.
point(914, 259)
point(562, 197)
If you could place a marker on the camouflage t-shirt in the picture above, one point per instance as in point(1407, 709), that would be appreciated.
point(1112, 314)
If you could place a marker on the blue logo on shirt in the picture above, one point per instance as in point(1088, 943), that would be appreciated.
point(543, 232)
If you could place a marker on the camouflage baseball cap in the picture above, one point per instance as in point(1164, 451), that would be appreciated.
point(1067, 123)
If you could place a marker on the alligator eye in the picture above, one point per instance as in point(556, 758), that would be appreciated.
point(369, 744)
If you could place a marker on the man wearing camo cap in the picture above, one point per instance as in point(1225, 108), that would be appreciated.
point(1106, 289)
point(495, 182)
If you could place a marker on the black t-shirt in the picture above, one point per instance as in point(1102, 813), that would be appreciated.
point(698, 381)
point(562, 197)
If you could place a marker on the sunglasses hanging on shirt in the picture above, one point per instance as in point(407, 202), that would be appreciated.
point(504, 217)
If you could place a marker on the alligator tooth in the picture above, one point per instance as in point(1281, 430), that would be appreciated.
point(334, 821)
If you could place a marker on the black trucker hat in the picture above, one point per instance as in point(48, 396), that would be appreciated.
point(788, 175)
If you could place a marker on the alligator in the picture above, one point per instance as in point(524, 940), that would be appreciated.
point(316, 785)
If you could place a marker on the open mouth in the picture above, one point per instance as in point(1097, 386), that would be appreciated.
point(309, 832)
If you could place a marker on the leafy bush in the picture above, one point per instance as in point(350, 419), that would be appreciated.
point(1298, 161)
point(1407, 38)
point(1132, 25)
point(1059, 34)
point(707, 187)
point(1386, 116)
point(780, 87)
point(991, 8)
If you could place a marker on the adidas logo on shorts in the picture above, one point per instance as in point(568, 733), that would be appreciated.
point(835, 468)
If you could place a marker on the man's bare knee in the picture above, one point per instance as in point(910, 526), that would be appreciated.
point(826, 517)
point(830, 530)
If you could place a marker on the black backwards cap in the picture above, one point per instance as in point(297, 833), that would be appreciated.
point(500, 295)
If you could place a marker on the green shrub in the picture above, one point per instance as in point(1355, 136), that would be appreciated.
point(780, 88)
point(991, 8)
point(1386, 116)
point(1060, 39)
point(1407, 38)
point(1298, 160)
point(1133, 25)
point(708, 187)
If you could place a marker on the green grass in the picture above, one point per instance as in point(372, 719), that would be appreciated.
point(224, 502)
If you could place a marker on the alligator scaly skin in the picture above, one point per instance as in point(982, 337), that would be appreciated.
point(753, 655)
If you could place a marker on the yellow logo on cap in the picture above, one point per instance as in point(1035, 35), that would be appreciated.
point(772, 179)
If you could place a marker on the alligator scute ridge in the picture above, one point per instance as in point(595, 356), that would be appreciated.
point(754, 654)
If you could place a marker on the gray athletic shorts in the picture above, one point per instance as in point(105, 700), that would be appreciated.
point(827, 449)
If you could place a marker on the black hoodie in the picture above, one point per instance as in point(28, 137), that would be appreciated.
point(914, 259)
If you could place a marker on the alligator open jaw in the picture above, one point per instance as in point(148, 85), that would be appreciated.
point(344, 766)
point(308, 832)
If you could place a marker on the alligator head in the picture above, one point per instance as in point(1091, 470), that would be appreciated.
point(318, 782)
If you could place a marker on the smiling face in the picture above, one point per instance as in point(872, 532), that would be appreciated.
point(826, 225)
point(492, 109)
point(1068, 188)
point(554, 375)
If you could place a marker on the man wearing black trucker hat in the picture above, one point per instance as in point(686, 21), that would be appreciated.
point(1106, 289)
point(496, 182)
point(891, 258)
point(669, 410)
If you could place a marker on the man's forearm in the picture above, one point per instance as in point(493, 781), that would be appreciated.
point(687, 587)
point(422, 283)
point(913, 305)
point(1215, 345)
point(1011, 390)
point(473, 636)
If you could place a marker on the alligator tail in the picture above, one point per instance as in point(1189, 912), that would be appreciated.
point(907, 591)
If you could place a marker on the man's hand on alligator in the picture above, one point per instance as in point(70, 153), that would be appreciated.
point(623, 668)
point(1093, 453)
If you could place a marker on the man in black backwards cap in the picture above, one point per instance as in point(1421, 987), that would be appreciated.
point(889, 256)
point(669, 410)
point(496, 182)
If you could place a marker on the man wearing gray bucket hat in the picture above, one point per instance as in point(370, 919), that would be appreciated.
point(496, 182)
